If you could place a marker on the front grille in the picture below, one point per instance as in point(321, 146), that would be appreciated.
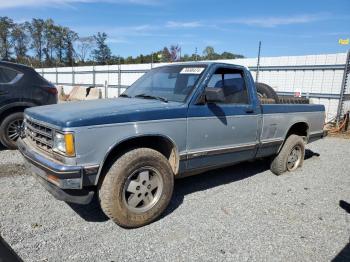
point(40, 135)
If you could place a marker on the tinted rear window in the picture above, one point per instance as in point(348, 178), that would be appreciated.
point(7, 75)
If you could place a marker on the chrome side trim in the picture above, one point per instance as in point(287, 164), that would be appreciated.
point(271, 142)
point(224, 150)
point(217, 151)
point(317, 133)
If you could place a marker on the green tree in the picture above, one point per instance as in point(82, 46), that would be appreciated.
point(69, 38)
point(20, 42)
point(209, 52)
point(49, 35)
point(59, 43)
point(102, 54)
point(6, 44)
point(166, 56)
point(228, 55)
point(36, 28)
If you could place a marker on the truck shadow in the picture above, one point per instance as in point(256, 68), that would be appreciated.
point(309, 154)
point(344, 254)
point(93, 213)
point(212, 179)
point(7, 253)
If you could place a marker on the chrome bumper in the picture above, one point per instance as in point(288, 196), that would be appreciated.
point(64, 182)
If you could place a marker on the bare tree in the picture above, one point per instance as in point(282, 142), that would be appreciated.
point(175, 52)
point(84, 47)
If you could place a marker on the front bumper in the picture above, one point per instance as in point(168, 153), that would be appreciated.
point(67, 183)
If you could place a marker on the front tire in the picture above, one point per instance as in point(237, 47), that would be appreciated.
point(137, 188)
point(290, 157)
point(11, 129)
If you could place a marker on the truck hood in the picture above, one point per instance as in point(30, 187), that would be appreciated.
point(106, 111)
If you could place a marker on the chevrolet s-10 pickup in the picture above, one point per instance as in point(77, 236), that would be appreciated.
point(174, 121)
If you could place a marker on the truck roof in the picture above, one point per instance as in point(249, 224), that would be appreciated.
point(206, 63)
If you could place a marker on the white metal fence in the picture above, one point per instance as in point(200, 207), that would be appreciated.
point(318, 77)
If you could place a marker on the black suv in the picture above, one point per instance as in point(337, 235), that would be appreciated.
point(20, 87)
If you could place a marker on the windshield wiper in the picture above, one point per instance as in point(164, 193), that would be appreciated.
point(153, 97)
point(125, 95)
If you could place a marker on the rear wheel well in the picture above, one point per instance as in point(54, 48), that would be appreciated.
point(11, 110)
point(299, 129)
point(159, 143)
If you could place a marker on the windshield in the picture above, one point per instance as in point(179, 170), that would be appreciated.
point(173, 83)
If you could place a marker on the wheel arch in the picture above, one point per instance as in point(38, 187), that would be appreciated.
point(299, 128)
point(13, 108)
point(161, 143)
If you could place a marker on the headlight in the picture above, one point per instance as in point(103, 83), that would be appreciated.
point(64, 143)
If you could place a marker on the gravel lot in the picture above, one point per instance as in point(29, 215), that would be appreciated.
point(239, 213)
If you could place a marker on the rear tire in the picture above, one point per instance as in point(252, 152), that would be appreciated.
point(10, 129)
point(137, 188)
point(290, 157)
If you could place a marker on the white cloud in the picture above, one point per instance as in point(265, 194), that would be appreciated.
point(191, 24)
point(59, 3)
point(278, 21)
point(117, 40)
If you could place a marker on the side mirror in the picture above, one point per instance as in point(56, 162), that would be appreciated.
point(213, 95)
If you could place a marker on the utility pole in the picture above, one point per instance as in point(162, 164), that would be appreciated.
point(195, 53)
point(258, 64)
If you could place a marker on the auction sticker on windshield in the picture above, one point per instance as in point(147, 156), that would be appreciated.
point(192, 70)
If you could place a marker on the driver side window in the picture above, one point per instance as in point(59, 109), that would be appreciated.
point(233, 85)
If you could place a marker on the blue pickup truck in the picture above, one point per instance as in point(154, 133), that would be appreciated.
point(176, 120)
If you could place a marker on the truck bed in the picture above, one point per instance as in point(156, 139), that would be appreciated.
point(275, 117)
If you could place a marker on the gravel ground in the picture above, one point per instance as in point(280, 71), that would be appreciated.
point(234, 214)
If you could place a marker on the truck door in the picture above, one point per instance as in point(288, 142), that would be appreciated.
point(227, 132)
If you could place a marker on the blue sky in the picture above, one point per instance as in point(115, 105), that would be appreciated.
point(142, 26)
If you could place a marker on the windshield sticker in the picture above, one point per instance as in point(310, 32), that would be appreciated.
point(192, 70)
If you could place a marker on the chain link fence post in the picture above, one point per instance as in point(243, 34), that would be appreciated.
point(106, 90)
point(56, 75)
point(73, 77)
point(93, 76)
point(119, 78)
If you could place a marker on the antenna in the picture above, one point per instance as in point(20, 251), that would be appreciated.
point(258, 64)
